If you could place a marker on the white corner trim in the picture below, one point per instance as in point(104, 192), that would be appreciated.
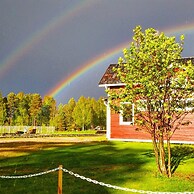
point(108, 121)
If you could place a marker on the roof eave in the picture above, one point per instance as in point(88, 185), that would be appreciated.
point(108, 85)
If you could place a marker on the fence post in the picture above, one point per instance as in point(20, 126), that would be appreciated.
point(60, 174)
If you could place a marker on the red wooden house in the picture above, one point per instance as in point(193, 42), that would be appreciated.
point(120, 128)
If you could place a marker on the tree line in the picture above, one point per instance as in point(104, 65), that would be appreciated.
point(32, 110)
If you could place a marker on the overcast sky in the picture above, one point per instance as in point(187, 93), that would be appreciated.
point(43, 42)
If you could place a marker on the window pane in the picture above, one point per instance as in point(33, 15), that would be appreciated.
point(127, 113)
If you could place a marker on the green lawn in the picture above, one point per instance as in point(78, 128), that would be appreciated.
point(125, 164)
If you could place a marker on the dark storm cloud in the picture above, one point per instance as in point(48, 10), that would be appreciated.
point(92, 30)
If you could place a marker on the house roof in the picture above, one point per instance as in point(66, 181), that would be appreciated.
point(110, 77)
point(185, 59)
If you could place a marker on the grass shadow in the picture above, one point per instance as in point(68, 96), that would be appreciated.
point(108, 162)
point(179, 154)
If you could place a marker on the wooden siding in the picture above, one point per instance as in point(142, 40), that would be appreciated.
point(128, 132)
point(125, 131)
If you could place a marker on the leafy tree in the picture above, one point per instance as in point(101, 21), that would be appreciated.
point(82, 113)
point(35, 108)
point(59, 119)
point(22, 106)
point(11, 107)
point(100, 113)
point(2, 110)
point(160, 85)
point(68, 110)
point(48, 110)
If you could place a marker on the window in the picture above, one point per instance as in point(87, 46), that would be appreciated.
point(126, 114)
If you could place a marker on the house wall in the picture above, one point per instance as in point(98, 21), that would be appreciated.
point(128, 132)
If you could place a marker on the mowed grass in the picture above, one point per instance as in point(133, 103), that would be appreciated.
point(125, 164)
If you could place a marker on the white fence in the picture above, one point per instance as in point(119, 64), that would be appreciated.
point(25, 129)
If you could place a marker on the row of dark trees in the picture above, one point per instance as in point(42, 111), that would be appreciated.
point(32, 110)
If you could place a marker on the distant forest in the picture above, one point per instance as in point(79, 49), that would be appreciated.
point(31, 110)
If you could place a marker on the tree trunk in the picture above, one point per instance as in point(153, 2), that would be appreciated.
point(162, 155)
point(169, 158)
point(156, 152)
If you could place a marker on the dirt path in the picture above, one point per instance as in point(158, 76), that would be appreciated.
point(54, 139)
point(13, 147)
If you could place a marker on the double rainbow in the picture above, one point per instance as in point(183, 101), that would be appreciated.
point(56, 22)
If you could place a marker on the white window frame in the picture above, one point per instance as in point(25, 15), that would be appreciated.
point(187, 108)
point(121, 121)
